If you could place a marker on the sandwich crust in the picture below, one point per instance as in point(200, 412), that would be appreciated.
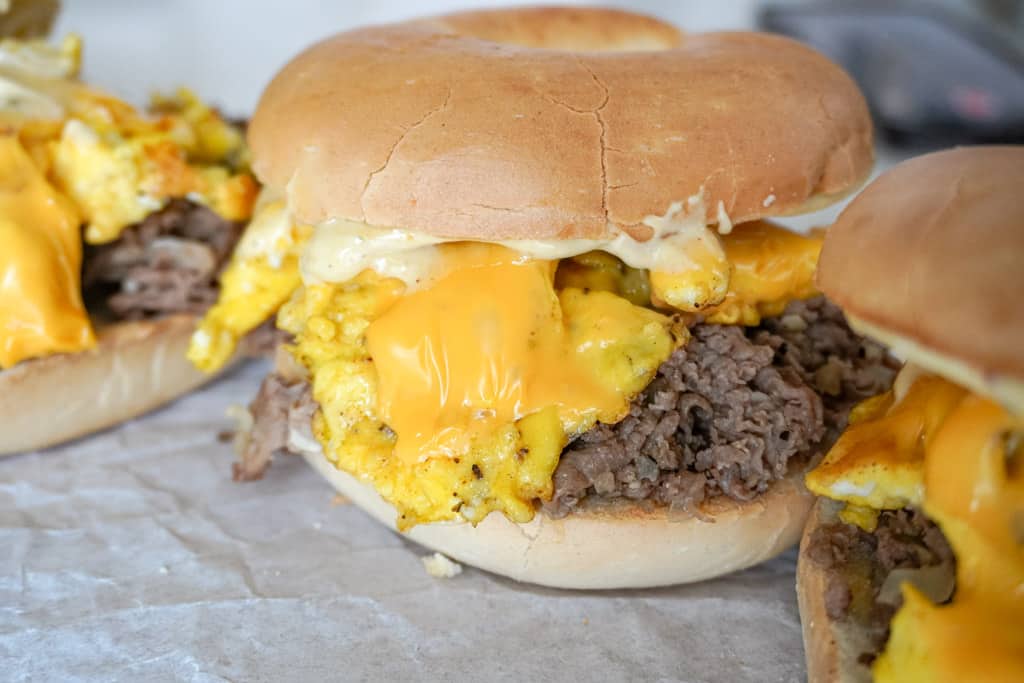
point(831, 647)
point(556, 123)
point(929, 259)
point(136, 367)
point(621, 546)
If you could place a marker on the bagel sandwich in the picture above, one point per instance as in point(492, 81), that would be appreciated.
point(539, 320)
point(912, 564)
point(113, 226)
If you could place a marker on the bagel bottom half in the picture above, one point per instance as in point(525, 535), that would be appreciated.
point(616, 546)
point(832, 648)
point(135, 367)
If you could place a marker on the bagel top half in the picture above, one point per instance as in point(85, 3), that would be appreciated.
point(556, 124)
point(925, 259)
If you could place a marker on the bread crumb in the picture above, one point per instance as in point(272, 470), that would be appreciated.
point(340, 500)
point(768, 201)
point(244, 421)
point(440, 567)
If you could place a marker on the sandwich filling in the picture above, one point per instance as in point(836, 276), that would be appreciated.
point(930, 532)
point(462, 378)
point(87, 183)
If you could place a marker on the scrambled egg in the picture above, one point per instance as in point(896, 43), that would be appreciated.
point(957, 456)
point(262, 275)
point(120, 167)
point(116, 163)
point(110, 166)
point(694, 275)
point(457, 400)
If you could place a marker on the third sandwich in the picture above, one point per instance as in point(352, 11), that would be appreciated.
point(114, 224)
point(531, 311)
point(912, 566)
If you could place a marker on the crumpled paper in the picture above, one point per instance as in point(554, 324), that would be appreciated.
point(132, 555)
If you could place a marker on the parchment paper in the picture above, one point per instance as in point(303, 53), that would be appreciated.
point(132, 555)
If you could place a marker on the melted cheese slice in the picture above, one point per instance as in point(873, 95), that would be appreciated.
point(959, 457)
point(41, 310)
point(463, 356)
point(878, 463)
point(456, 400)
point(974, 490)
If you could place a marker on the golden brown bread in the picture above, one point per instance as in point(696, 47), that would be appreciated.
point(533, 124)
point(929, 259)
point(564, 28)
point(831, 648)
point(136, 367)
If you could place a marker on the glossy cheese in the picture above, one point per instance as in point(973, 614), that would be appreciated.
point(974, 490)
point(771, 266)
point(960, 457)
point(41, 310)
point(878, 463)
point(487, 345)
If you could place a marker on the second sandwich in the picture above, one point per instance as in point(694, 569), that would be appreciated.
point(527, 284)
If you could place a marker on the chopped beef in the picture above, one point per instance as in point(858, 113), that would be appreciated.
point(908, 539)
point(280, 405)
point(858, 562)
point(903, 539)
point(166, 263)
point(728, 412)
point(812, 337)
